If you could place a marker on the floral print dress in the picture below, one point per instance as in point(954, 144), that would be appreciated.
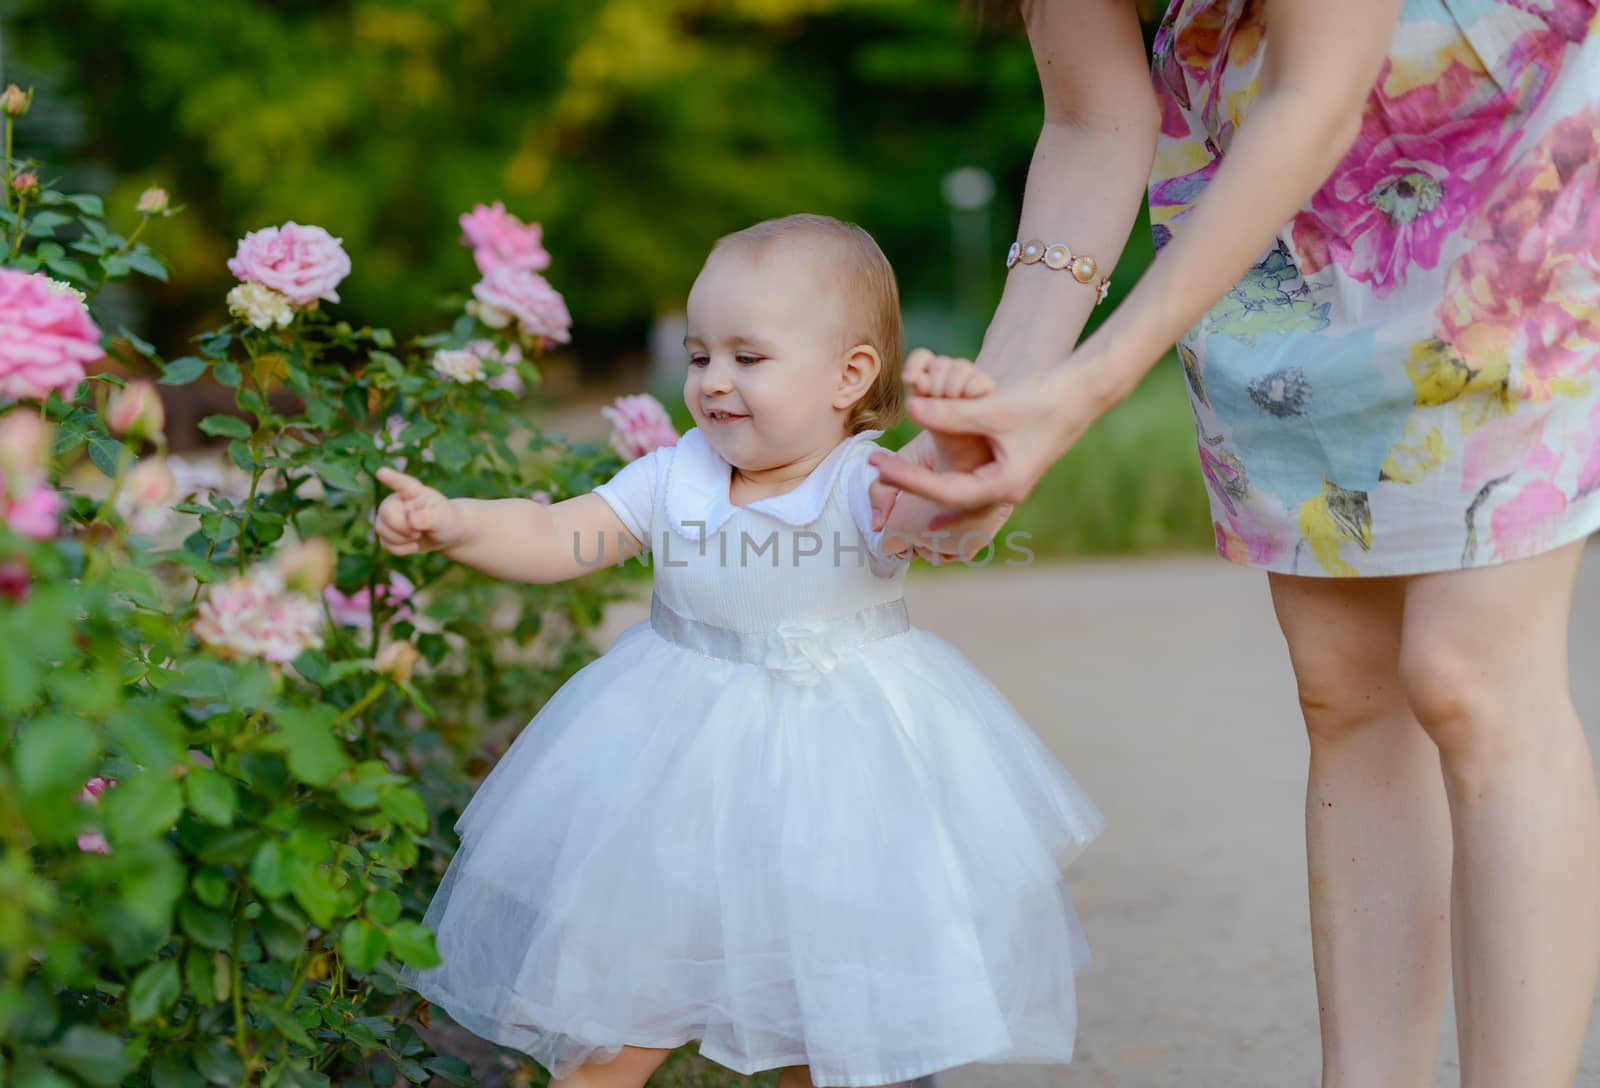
point(1409, 379)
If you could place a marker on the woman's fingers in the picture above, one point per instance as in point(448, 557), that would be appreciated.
point(965, 490)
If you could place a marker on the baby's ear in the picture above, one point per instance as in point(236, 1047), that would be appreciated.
point(860, 369)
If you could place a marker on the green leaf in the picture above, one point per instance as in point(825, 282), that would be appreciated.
point(154, 990)
point(55, 753)
point(210, 886)
point(68, 269)
point(342, 475)
point(282, 940)
point(412, 943)
point(211, 795)
point(412, 1071)
point(287, 1024)
point(314, 754)
point(182, 371)
point(316, 895)
point(405, 805)
point(453, 450)
point(272, 870)
point(144, 261)
point(227, 426)
point(227, 373)
point(105, 452)
point(88, 204)
point(42, 223)
point(452, 1070)
point(143, 806)
point(207, 928)
point(197, 973)
point(174, 1071)
point(362, 944)
point(117, 266)
point(217, 1061)
point(96, 1056)
point(383, 907)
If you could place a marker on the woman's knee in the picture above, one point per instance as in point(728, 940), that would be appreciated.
point(1467, 704)
point(1342, 648)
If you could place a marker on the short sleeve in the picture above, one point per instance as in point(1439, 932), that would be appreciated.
point(856, 479)
point(631, 493)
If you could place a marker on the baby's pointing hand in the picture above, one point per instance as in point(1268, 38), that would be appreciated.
point(416, 518)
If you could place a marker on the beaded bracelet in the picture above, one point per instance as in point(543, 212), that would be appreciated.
point(1060, 257)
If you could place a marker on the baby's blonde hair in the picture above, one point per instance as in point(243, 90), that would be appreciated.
point(873, 299)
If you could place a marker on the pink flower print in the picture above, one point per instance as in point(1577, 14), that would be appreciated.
point(1526, 523)
point(1525, 292)
point(1408, 182)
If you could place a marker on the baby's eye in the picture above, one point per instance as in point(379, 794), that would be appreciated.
point(699, 360)
point(747, 359)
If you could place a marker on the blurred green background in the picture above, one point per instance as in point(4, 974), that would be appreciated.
point(635, 131)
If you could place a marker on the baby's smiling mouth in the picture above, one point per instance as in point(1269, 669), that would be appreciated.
point(719, 415)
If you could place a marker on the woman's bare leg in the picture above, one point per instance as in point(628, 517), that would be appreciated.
point(629, 1069)
point(1484, 659)
point(1377, 835)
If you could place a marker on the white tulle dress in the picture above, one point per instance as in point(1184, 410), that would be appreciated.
point(774, 818)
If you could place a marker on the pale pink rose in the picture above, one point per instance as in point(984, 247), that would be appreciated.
point(301, 263)
point(516, 294)
point(639, 424)
point(136, 411)
point(24, 443)
point(45, 338)
point(153, 201)
point(14, 582)
point(508, 378)
point(36, 513)
point(355, 609)
point(501, 240)
point(256, 615)
point(458, 366)
point(145, 501)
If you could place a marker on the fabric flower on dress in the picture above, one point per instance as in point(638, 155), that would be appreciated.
point(800, 655)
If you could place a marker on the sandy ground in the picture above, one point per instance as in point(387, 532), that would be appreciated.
point(1164, 686)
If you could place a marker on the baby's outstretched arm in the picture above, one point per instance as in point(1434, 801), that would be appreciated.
point(516, 539)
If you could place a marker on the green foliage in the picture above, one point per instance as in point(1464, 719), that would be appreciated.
point(235, 906)
point(636, 131)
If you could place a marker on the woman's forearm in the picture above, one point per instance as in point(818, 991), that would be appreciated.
point(1084, 188)
point(1280, 157)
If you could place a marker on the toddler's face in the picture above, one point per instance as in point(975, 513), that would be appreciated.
point(766, 356)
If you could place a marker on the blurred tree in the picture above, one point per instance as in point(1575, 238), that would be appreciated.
point(636, 131)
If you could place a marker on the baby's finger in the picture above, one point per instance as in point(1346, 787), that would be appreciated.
point(400, 483)
point(425, 516)
point(916, 366)
point(392, 514)
point(979, 383)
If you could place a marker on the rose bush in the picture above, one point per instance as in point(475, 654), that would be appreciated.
point(234, 732)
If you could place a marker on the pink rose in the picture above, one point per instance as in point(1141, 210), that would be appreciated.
point(26, 184)
point(355, 609)
point(256, 615)
point(301, 263)
point(46, 338)
point(136, 411)
point(501, 240)
point(639, 424)
point(94, 842)
point(93, 788)
point(516, 294)
point(14, 101)
point(36, 514)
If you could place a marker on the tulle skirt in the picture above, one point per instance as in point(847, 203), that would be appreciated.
point(859, 872)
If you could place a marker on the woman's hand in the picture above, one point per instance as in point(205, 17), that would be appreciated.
point(1026, 426)
point(416, 518)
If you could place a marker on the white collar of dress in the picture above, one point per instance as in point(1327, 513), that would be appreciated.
point(698, 480)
